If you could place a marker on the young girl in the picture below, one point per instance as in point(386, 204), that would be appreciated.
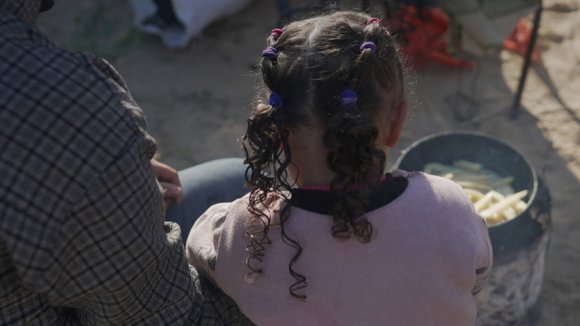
point(325, 237)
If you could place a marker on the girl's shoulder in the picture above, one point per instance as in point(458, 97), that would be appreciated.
point(214, 218)
point(238, 211)
point(427, 188)
point(441, 202)
point(422, 179)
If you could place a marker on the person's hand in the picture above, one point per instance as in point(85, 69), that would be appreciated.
point(169, 180)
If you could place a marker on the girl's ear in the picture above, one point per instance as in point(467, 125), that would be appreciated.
point(398, 117)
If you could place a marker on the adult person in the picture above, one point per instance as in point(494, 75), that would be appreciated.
point(83, 238)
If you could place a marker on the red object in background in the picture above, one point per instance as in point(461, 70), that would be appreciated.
point(422, 32)
point(519, 40)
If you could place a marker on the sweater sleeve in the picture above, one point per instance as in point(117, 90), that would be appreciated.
point(203, 240)
point(484, 261)
point(482, 244)
point(479, 236)
point(472, 226)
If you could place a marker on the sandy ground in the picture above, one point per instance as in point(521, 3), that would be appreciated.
point(196, 101)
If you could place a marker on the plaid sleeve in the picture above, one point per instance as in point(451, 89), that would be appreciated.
point(112, 259)
point(169, 290)
point(218, 308)
point(82, 214)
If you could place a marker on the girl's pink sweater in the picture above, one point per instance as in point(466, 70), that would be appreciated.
point(430, 254)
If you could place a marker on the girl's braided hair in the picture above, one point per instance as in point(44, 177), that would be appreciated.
point(305, 69)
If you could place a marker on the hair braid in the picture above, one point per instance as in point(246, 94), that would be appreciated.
point(268, 157)
point(350, 137)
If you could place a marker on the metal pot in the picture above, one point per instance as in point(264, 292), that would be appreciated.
point(511, 294)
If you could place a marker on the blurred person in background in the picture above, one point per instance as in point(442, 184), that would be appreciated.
point(178, 21)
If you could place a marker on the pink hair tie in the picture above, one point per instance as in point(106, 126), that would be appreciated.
point(376, 20)
point(276, 32)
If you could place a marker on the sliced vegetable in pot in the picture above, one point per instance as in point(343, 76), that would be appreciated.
point(492, 195)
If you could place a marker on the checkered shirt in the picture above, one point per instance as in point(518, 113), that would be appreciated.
point(83, 239)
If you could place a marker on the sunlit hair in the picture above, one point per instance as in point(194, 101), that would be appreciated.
point(308, 66)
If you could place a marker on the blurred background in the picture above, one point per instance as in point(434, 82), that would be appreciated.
point(194, 75)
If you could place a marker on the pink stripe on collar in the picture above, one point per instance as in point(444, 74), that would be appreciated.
point(327, 187)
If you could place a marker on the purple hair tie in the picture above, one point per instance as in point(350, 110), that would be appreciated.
point(369, 45)
point(276, 32)
point(275, 100)
point(348, 97)
point(270, 53)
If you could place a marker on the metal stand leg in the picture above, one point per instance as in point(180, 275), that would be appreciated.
point(528, 59)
